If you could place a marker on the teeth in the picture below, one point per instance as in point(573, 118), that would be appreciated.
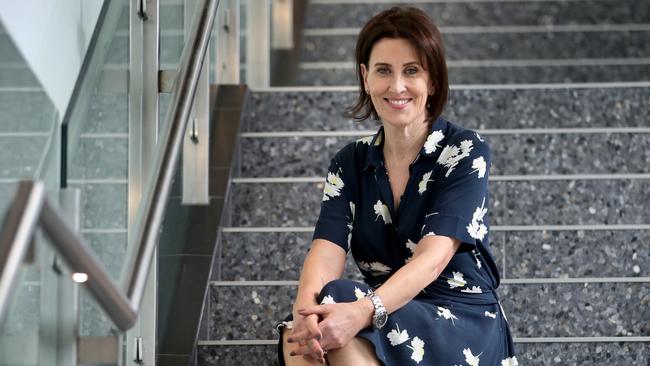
point(398, 101)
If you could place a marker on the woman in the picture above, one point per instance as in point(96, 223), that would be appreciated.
point(411, 204)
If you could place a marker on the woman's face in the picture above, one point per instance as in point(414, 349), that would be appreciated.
point(397, 82)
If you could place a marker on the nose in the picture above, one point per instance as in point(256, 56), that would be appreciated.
point(397, 84)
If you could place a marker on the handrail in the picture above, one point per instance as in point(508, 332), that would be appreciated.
point(32, 207)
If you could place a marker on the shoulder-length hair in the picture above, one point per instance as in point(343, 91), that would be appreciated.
point(415, 26)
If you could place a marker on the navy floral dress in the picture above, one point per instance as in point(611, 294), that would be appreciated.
point(457, 319)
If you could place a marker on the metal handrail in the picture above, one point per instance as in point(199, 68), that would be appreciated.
point(32, 207)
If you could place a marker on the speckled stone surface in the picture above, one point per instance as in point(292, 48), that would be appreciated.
point(511, 154)
point(563, 202)
point(579, 354)
point(20, 156)
point(9, 52)
point(500, 46)
point(529, 354)
point(111, 250)
point(26, 112)
point(549, 310)
point(108, 113)
point(237, 355)
point(498, 75)
point(268, 256)
point(487, 13)
point(7, 191)
point(171, 45)
point(100, 158)
point(93, 321)
point(103, 205)
point(22, 317)
point(516, 108)
point(572, 202)
point(593, 253)
point(17, 76)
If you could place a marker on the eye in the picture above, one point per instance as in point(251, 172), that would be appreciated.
point(383, 70)
point(411, 70)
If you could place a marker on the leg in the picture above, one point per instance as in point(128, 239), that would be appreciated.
point(358, 352)
point(294, 360)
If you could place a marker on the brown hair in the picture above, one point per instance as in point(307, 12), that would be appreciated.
point(415, 26)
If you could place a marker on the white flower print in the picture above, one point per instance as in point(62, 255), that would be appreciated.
point(396, 337)
point(288, 324)
point(430, 233)
point(451, 155)
point(479, 137)
point(365, 140)
point(382, 210)
point(375, 268)
point(432, 141)
point(473, 290)
point(491, 315)
point(510, 361)
point(333, 186)
point(457, 281)
point(358, 293)
point(422, 186)
point(446, 313)
point(350, 227)
point(417, 346)
point(470, 358)
point(477, 228)
point(328, 300)
point(476, 256)
point(411, 246)
point(479, 165)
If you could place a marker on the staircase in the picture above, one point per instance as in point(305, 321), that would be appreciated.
point(559, 89)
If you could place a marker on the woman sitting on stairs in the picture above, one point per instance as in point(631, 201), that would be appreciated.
point(411, 205)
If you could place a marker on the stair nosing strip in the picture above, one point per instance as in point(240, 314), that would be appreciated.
point(504, 281)
point(273, 342)
point(487, 132)
point(501, 29)
point(514, 228)
point(495, 178)
point(546, 86)
point(451, 64)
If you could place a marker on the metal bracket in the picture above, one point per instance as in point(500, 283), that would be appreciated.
point(194, 132)
point(138, 360)
point(226, 20)
point(142, 9)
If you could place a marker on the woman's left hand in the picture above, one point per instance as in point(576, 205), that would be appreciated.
point(341, 322)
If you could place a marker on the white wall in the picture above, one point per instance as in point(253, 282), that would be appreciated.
point(52, 36)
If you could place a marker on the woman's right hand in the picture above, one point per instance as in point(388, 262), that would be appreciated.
point(307, 334)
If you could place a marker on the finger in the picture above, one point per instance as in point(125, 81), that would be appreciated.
point(303, 335)
point(317, 310)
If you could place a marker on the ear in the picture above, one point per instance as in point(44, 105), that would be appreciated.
point(364, 74)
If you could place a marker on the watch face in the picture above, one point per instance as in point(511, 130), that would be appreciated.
point(381, 320)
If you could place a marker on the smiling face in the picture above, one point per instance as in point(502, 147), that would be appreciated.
point(397, 82)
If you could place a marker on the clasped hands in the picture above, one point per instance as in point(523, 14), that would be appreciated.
point(321, 328)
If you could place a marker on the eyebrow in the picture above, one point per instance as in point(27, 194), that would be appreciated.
point(389, 65)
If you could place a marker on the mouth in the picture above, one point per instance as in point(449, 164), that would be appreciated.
point(398, 103)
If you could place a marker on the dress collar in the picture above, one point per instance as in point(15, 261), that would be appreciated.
point(431, 148)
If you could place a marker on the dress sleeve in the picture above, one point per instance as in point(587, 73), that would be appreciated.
point(460, 207)
point(337, 208)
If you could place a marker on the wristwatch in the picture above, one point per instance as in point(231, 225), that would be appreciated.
point(380, 316)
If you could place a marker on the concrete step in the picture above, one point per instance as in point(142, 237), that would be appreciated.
point(26, 111)
point(589, 153)
point(544, 106)
point(515, 202)
point(484, 45)
point(579, 309)
point(99, 157)
point(550, 72)
point(481, 13)
point(278, 256)
point(529, 354)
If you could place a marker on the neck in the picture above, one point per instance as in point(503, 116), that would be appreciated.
point(404, 143)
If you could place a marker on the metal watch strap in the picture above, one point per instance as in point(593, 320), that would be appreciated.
point(380, 315)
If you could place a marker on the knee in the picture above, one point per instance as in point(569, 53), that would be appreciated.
point(342, 290)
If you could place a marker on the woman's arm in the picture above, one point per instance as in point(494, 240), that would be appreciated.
point(324, 262)
point(341, 322)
